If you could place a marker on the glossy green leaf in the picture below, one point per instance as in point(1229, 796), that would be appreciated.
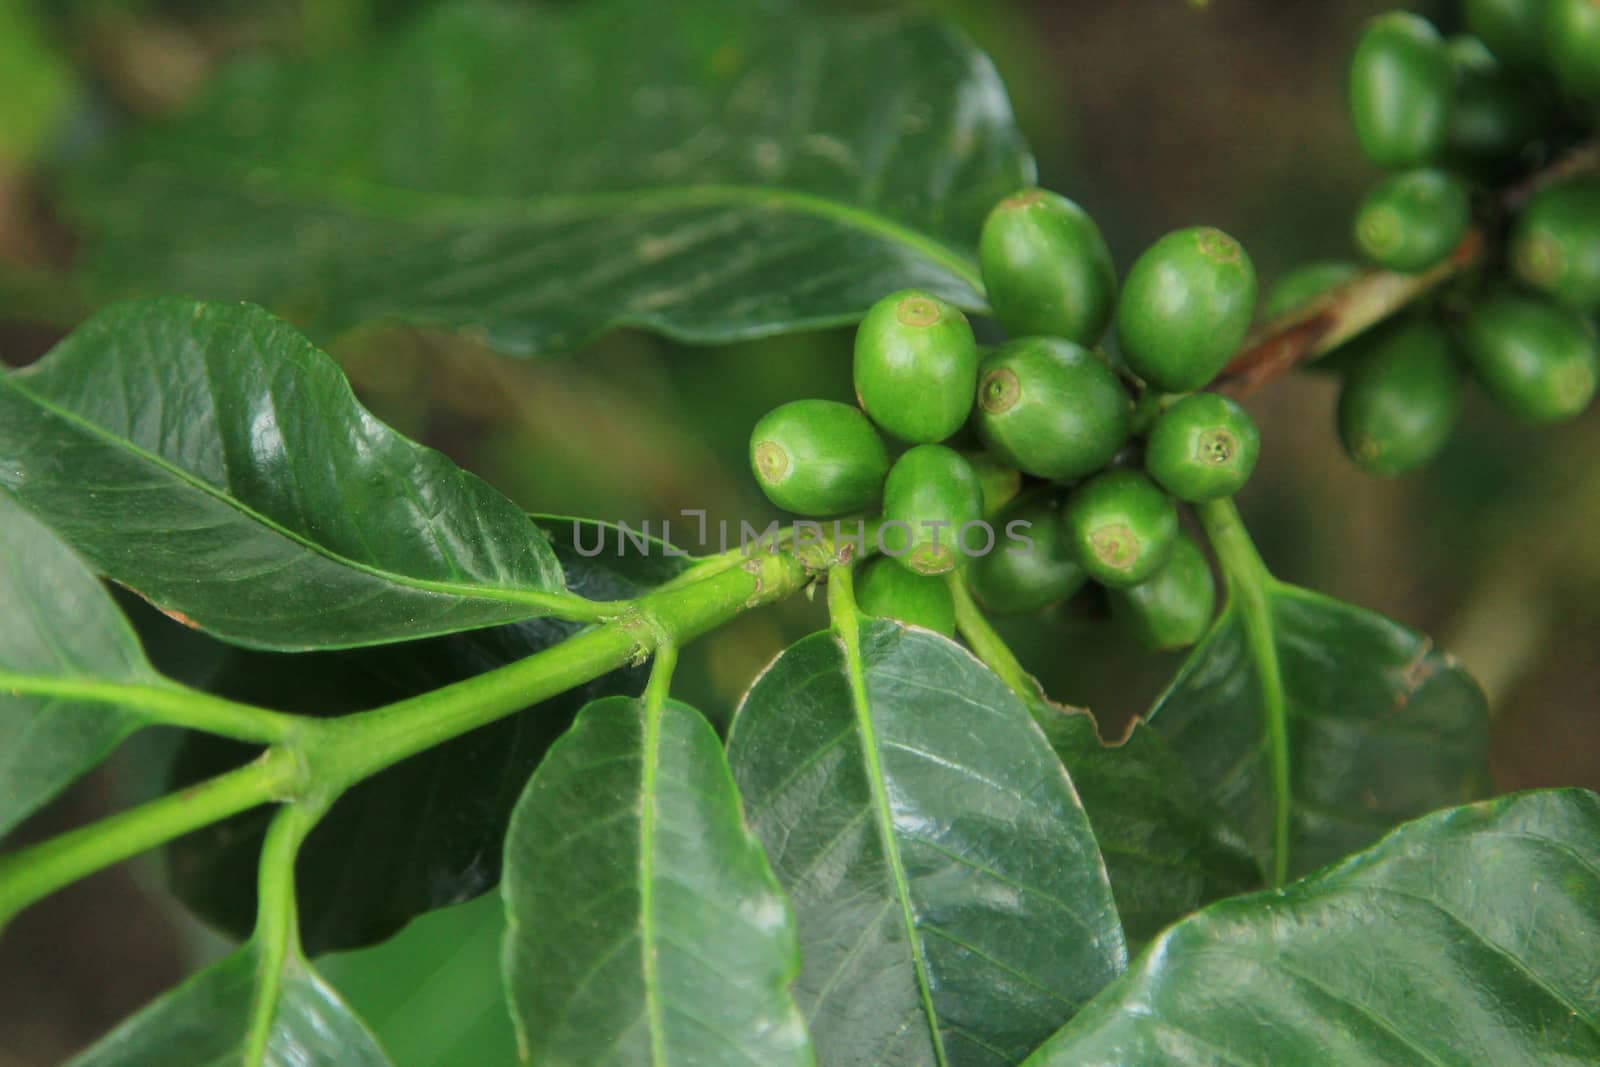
point(1380, 727)
point(952, 905)
point(644, 923)
point(210, 458)
point(58, 625)
point(424, 834)
point(712, 169)
point(205, 1022)
point(1465, 938)
point(1168, 849)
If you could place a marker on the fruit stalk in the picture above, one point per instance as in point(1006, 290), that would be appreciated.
point(1323, 324)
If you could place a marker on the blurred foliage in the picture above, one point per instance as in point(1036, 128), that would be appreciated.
point(1152, 113)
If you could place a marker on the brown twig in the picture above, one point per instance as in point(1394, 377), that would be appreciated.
point(1322, 324)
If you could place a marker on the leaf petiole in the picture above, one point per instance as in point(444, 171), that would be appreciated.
point(1249, 585)
point(35, 872)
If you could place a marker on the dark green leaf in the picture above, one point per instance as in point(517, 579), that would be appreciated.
point(1466, 938)
point(713, 169)
point(952, 905)
point(57, 624)
point(204, 1023)
point(424, 834)
point(1381, 727)
point(1167, 848)
point(645, 924)
point(211, 459)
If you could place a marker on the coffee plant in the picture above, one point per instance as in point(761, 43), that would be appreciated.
point(902, 850)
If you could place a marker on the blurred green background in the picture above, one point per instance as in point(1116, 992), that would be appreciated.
point(1154, 114)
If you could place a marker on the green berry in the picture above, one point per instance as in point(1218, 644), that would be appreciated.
point(1305, 284)
point(1538, 360)
point(1497, 113)
point(1401, 400)
point(1047, 268)
point(1172, 609)
point(1511, 29)
point(1186, 305)
point(1051, 407)
point(1122, 527)
point(929, 499)
point(916, 366)
point(1411, 221)
point(1572, 45)
point(1032, 564)
point(1203, 448)
point(1401, 89)
point(1000, 481)
point(1556, 245)
point(889, 591)
point(818, 457)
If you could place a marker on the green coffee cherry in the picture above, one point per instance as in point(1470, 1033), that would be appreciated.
point(1032, 564)
point(916, 366)
point(1186, 305)
point(1556, 245)
point(889, 591)
point(1000, 481)
point(1173, 608)
point(1511, 29)
point(930, 496)
point(1305, 283)
point(1047, 268)
point(818, 457)
point(1123, 527)
point(1203, 448)
point(1051, 407)
point(1538, 360)
point(1497, 113)
point(1572, 45)
point(1401, 87)
point(1411, 221)
point(1402, 399)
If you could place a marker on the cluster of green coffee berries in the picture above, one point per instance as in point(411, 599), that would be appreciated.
point(1448, 118)
point(1039, 465)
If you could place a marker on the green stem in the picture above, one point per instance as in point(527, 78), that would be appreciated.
point(1249, 588)
point(988, 645)
point(168, 705)
point(277, 934)
point(354, 747)
point(33, 873)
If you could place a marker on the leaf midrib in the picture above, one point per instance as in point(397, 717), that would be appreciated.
point(411, 206)
point(650, 765)
point(506, 594)
point(846, 626)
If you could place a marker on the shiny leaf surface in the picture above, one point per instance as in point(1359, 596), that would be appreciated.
point(1468, 937)
point(57, 625)
point(210, 458)
point(712, 169)
point(952, 905)
point(1168, 849)
point(1381, 727)
point(204, 1023)
point(644, 923)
